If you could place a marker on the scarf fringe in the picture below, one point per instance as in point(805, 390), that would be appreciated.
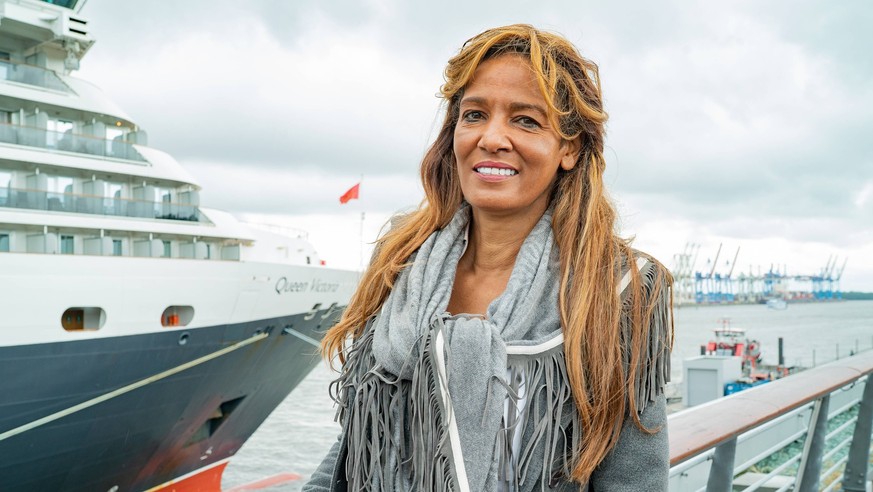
point(653, 372)
point(397, 428)
point(548, 423)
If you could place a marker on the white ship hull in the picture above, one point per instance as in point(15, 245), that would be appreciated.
point(134, 292)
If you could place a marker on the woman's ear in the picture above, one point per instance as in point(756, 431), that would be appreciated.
point(571, 153)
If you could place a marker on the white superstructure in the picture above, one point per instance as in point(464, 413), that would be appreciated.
point(94, 220)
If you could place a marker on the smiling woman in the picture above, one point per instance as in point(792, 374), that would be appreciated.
point(503, 337)
point(508, 155)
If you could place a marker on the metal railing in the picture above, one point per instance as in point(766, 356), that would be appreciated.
point(99, 205)
point(806, 432)
point(69, 142)
point(32, 75)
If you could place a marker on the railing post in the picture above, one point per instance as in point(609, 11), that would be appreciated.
point(721, 473)
point(855, 476)
point(809, 473)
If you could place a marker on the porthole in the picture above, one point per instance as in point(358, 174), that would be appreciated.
point(177, 316)
point(83, 318)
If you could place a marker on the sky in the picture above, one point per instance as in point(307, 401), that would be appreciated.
point(745, 124)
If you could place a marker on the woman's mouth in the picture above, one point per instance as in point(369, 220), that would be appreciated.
point(495, 171)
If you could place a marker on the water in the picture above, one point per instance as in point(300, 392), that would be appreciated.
point(299, 432)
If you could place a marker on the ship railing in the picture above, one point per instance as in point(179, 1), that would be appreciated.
point(99, 205)
point(810, 431)
point(23, 73)
point(68, 141)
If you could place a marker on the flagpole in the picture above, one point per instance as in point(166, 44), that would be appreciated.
point(361, 234)
point(354, 193)
point(361, 243)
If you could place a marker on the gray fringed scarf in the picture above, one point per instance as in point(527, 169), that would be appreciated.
point(423, 393)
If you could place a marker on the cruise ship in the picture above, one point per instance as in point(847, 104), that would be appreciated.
point(143, 338)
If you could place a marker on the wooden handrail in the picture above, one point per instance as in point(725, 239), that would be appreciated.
point(703, 427)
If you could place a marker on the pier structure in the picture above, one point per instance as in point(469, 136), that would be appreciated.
point(722, 283)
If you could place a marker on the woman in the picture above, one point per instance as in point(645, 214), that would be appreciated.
point(503, 337)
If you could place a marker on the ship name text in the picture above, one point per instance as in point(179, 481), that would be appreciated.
point(283, 285)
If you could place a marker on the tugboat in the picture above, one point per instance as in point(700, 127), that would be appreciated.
point(733, 342)
point(730, 341)
point(144, 337)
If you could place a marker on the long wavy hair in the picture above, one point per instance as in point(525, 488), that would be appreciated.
point(592, 255)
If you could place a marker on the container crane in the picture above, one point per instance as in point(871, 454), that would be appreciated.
point(729, 291)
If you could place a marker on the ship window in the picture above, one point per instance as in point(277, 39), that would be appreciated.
point(5, 182)
point(113, 190)
point(70, 4)
point(66, 245)
point(4, 243)
point(60, 126)
point(116, 247)
point(168, 251)
point(58, 130)
point(83, 318)
point(177, 316)
point(59, 184)
point(111, 134)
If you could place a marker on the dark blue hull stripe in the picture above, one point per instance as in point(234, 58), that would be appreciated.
point(131, 429)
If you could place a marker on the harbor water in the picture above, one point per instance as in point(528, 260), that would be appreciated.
point(300, 431)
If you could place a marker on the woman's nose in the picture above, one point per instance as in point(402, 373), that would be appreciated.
point(495, 137)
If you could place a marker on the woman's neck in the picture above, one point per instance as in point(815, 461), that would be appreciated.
point(494, 242)
point(484, 270)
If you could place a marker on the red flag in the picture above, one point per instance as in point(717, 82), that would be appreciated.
point(352, 194)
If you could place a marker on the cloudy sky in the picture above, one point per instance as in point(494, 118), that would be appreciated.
point(742, 123)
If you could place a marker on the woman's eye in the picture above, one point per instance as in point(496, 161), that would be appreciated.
point(528, 122)
point(472, 116)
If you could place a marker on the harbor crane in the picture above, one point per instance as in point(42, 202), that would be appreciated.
point(714, 285)
point(683, 273)
point(705, 283)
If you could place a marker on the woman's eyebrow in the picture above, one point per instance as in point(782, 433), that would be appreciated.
point(475, 100)
point(516, 106)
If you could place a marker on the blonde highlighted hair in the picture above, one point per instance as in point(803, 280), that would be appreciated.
point(592, 254)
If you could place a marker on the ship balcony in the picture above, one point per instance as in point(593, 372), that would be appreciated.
point(32, 75)
point(68, 141)
point(98, 205)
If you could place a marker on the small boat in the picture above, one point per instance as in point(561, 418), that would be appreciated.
point(777, 304)
point(732, 341)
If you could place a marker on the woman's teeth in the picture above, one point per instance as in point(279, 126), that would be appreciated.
point(496, 171)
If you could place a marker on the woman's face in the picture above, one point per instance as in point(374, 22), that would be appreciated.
point(507, 154)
